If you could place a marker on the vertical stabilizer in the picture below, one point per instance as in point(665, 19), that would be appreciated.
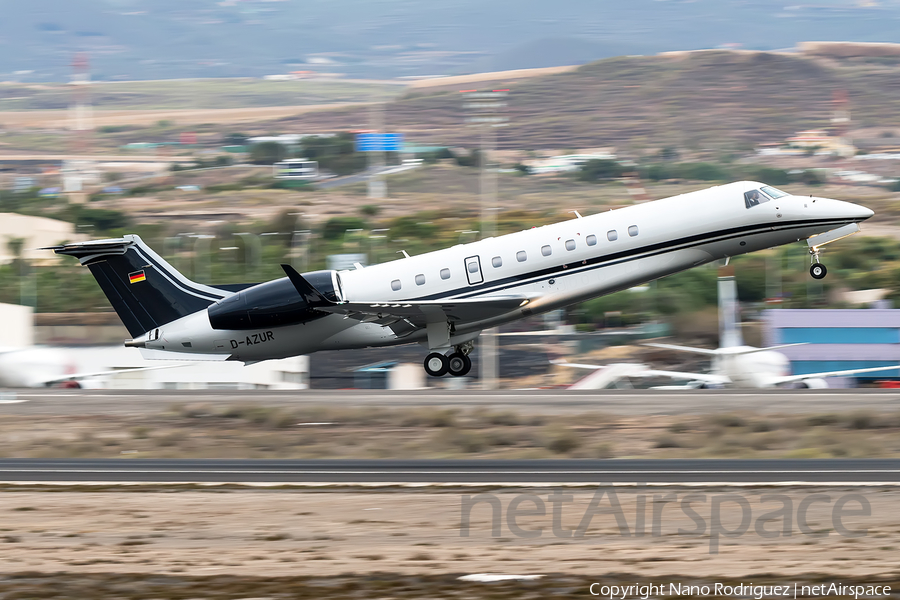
point(144, 289)
point(729, 322)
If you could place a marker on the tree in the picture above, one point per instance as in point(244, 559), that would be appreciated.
point(336, 227)
point(598, 168)
point(267, 153)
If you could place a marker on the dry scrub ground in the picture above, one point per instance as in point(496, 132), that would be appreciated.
point(247, 431)
point(378, 541)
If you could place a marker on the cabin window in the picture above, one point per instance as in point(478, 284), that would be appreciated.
point(591, 240)
point(473, 266)
point(754, 197)
point(445, 273)
point(395, 285)
point(521, 256)
point(570, 245)
point(633, 230)
point(546, 250)
point(497, 262)
point(612, 235)
point(420, 279)
point(775, 193)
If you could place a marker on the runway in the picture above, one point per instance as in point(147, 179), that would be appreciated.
point(617, 402)
point(474, 472)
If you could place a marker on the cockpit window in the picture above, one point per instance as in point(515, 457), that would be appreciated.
point(774, 192)
point(754, 197)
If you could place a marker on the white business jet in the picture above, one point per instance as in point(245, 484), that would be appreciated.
point(444, 299)
point(733, 363)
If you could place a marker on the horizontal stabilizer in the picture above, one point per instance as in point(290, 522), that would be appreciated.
point(149, 354)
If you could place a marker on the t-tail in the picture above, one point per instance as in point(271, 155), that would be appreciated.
point(142, 287)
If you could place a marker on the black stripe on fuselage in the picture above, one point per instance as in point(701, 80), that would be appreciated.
point(624, 256)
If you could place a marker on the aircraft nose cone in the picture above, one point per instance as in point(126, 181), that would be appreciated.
point(849, 210)
point(864, 213)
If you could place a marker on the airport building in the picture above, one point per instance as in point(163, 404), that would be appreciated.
point(836, 340)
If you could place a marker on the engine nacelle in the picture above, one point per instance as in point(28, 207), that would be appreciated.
point(813, 384)
point(274, 303)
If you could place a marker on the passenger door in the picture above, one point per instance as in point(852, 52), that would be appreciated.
point(473, 270)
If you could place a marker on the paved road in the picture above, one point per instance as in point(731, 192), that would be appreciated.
point(488, 472)
point(633, 402)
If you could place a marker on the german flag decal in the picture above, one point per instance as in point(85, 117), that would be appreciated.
point(137, 276)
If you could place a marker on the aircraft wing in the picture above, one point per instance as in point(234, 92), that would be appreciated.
point(638, 370)
point(420, 312)
point(704, 377)
point(80, 376)
point(722, 351)
point(408, 315)
point(793, 378)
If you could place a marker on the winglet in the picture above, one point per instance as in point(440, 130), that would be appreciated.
point(312, 296)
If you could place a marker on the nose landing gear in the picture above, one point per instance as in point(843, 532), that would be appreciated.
point(817, 269)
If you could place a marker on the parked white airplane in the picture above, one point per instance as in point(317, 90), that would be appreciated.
point(46, 366)
point(733, 363)
point(444, 299)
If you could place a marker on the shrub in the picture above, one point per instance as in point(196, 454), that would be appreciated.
point(224, 187)
point(472, 159)
point(336, 227)
point(772, 176)
point(810, 177)
point(599, 169)
point(821, 420)
point(267, 153)
point(604, 451)
point(101, 219)
point(729, 420)
point(862, 420)
point(658, 173)
point(666, 441)
point(702, 172)
point(562, 441)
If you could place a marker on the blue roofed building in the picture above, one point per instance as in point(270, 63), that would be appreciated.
point(836, 340)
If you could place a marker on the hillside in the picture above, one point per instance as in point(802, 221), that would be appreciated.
point(694, 100)
point(156, 39)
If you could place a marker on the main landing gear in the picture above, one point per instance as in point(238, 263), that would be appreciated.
point(817, 270)
point(457, 363)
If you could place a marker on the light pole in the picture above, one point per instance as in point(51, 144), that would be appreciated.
point(375, 237)
point(252, 252)
point(205, 240)
point(484, 110)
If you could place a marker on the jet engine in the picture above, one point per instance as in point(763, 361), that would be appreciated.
point(274, 303)
point(812, 384)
